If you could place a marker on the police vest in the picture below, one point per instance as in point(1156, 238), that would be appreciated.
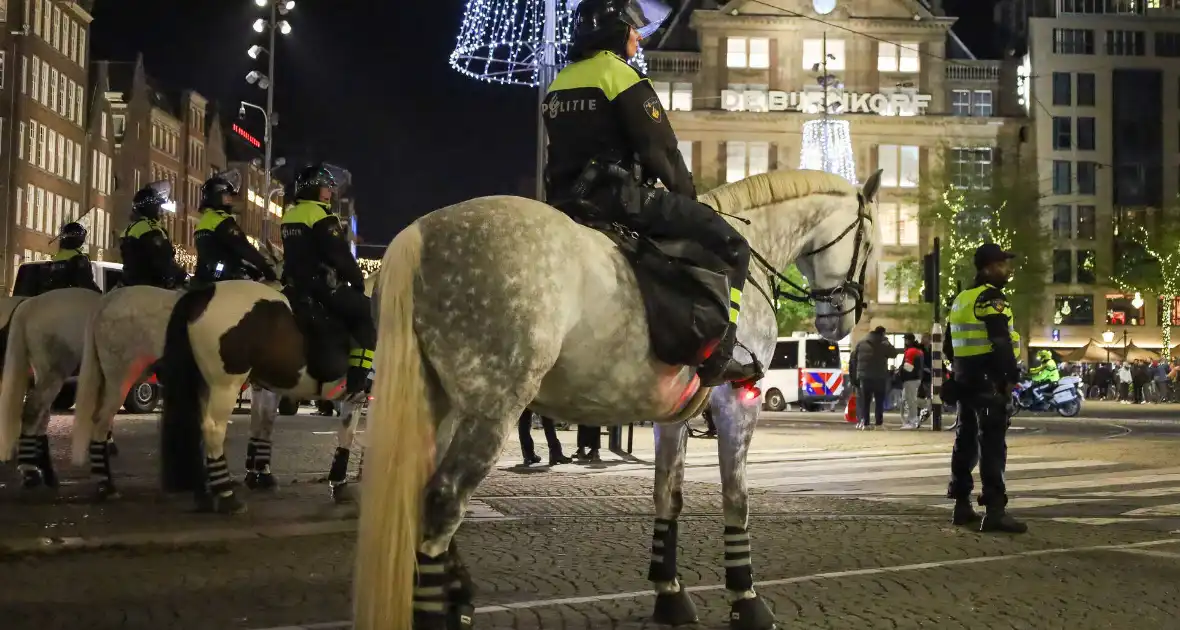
point(67, 254)
point(141, 227)
point(210, 219)
point(304, 213)
point(1047, 373)
point(969, 333)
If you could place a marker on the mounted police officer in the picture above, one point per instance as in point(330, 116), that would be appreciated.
point(610, 140)
point(148, 256)
point(70, 267)
point(319, 265)
point(223, 253)
point(979, 342)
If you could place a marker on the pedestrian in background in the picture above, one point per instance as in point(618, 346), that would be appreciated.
point(589, 442)
point(911, 380)
point(524, 428)
point(868, 368)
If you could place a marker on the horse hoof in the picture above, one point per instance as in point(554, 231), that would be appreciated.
point(32, 478)
point(112, 448)
point(460, 616)
point(342, 493)
point(674, 609)
point(228, 504)
point(751, 614)
point(106, 491)
point(261, 481)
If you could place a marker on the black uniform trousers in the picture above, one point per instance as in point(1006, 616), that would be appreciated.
point(525, 430)
point(354, 309)
point(981, 439)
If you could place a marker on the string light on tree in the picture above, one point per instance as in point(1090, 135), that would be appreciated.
point(827, 146)
point(1166, 265)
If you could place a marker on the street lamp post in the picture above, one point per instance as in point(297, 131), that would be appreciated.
point(273, 25)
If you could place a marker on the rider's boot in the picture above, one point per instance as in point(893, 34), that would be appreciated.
point(964, 513)
point(721, 367)
point(360, 365)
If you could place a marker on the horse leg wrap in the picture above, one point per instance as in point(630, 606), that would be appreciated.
point(430, 593)
point(663, 551)
point(674, 606)
point(251, 454)
point(218, 472)
point(45, 461)
point(258, 455)
point(460, 594)
point(100, 468)
point(739, 571)
point(28, 461)
point(338, 473)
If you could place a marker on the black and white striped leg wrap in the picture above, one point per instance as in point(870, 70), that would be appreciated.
point(338, 473)
point(218, 472)
point(430, 590)
point(739, 570)
point(27, 451)
point(100, 461)
point(258, 455)
point(663, 552)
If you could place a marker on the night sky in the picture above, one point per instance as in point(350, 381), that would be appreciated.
point(365, 85)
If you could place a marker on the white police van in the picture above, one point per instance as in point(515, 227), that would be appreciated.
point(144, 396)
point(805, 371)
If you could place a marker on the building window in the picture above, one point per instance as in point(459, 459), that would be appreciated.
point(899, 223)
point(1062, 266)
point(82, 47)
point(1063, 222)
point(1167, 44)
point(41, 133)
point(103, 128)
point(1087, 178)
point(886, 294)
point(20, 144)
point(39, 221)
point(1074, 310)
point(743, 159)
point(899, 57)
point(1121, 312)
point(1086, 133)
point(1086, 218)
point(1062, 176)
point(1085, 266)
point(961, 103)
point(60, 170)
point(1126, 43)
point(1086, 89)
point(1073, 41)
point(1062, 133)
point(36, 17)
point(900, 165)
point(30, 196)
point(751, 52)
point(813, 54)
point(52, 102)
point(72, 53)
point(45, 84)
point(1062, 88)
point(673, 96)
point(981, 103)
point(971, 167)
point(685, 147)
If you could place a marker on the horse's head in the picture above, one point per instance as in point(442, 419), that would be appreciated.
point(836, 258)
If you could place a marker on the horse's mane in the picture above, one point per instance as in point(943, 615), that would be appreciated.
point(774, 187)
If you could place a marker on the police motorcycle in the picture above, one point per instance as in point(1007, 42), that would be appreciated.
point(1065, 397)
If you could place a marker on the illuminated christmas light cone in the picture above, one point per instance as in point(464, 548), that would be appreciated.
point(827, 146)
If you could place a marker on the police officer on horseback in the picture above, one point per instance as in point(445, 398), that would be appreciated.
point(223, 253)
point(610, 140)
point(70, 267)
point(319, 265)
point(148, 255)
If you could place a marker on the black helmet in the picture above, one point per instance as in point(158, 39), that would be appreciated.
point(72, 235)
point(311, 179)
point(214, 189)
point(606, 24)
point(151, 199)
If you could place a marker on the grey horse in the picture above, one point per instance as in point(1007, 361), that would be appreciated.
point(499, 303)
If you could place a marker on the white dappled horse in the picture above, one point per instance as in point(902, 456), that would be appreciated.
point(501, 303)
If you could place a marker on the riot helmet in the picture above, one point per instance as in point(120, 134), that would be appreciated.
point(607, 24)
point(218, 192)
point(153, 198)
point(72, 236)
point(312, 182)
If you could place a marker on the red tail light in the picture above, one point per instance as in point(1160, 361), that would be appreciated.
point(750, 393)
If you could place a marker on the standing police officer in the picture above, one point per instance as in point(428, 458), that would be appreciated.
point(316, 247)
point(70, 267)
point(148, 255)
point(608, 133)
point(223, 253)
point(979, 343)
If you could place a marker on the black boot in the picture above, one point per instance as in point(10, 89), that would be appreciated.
point(721, 367)
point(997, 519)
point(358, 380)
point(964, 514)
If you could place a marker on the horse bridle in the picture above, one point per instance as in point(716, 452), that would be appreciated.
point(854, 280)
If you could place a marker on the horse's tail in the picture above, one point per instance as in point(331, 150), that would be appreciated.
point(185, 390)
point(400, 454)
point(89, 389)
point(14, 381)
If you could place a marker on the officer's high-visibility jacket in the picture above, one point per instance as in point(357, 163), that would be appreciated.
point(148, 256)
point(314, 243)
point(1046, 372)
point(70, 269)
point(222, 248)
point(980, 336)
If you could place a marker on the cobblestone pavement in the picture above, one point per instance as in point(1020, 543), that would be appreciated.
point(553, 549)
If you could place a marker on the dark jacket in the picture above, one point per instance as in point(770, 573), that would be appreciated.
point(870, 358)
point(223, 252)
point(148, 256)
point(314, 244)
point(70, 269)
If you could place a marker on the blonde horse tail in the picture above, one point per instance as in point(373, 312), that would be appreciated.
point(400, 454)
point(86, 400)
point(15, 380)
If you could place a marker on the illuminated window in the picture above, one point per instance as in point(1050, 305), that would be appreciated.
point(813, 54)
point(900, 57)
point(685, 147)
point(743, 159)
point(900, 165)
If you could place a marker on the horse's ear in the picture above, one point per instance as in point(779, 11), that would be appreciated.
point(872, 186)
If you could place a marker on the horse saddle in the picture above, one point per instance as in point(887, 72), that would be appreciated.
point(684, 287)
point(326, 338)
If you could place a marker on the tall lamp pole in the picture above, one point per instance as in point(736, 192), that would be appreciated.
point(272, 25)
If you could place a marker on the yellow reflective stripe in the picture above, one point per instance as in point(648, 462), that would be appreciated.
point(735, 296)
point(733, 315)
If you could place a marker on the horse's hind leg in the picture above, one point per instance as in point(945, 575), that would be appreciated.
point(350, 416)
point(102, 449)
point(33, 459)
point(673, 605)
point(444, 588)
point(264, 408)
point(220, 493)
point(735, 422)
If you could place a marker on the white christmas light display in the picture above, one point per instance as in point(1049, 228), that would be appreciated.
point(502, 41)
point(827, 146)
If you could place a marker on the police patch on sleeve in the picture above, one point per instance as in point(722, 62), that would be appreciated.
point(999, 304)
point(654, 109)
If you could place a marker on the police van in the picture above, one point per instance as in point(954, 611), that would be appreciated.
point(805, 371)
point(144, 396)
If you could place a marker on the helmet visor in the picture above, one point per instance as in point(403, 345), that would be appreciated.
point(234, 178)
point(163, 190)
point(645, 16)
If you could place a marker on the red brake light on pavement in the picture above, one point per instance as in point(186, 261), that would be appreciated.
point(751, 393)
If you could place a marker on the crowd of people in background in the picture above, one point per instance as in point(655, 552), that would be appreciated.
point(1130, 382)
